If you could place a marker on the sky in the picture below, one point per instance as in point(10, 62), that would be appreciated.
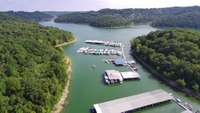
point(85, 5)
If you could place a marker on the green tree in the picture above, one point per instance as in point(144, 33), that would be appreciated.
point(195, 87)
point(12, 85)
point(181, 82)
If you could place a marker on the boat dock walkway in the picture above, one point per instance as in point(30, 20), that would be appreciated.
point(129, 64)
point(186, 106)
point(123, 54)
point(134, 102)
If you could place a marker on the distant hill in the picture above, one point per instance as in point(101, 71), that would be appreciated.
point(183, 20)
point(56, 13)
point(159, 17)
point(34, 16)
point(95, 19)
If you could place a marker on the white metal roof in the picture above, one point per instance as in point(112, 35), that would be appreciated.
point(113, 75)
point(130, 75)
point(133, 102)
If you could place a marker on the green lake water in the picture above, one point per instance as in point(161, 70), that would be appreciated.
point(87, 87)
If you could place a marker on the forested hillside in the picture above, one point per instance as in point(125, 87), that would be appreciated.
point(32, 73)
point(186, 17)
point(185, 20)
point(95, 19)
point(34, 16)
point(110, 21)
point(174, 53)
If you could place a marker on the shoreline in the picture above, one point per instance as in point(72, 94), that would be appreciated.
point(168, 82)
point(66, 43)
point(58, 107)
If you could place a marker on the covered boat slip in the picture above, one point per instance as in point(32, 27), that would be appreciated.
point(114, 76)
point(133, 102)
point(130, 75)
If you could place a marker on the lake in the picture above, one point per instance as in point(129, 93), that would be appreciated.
point(87, 87)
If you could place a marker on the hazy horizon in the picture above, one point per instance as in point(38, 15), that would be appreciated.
point(88, 5)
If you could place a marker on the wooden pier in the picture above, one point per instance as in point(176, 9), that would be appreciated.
point(134, 102)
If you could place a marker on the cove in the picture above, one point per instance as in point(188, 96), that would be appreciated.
point(86, 86)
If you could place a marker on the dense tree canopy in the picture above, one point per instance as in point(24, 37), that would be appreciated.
point(160, 17)
point(34, 16)
point(174, 53)
point(95, 19)
point(185, 20)
point(32, 71)
point(110, 21)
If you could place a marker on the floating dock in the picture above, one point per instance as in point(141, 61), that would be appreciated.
point(93, 51)
point(106, 43)
point(134, 102)
point(114, 76)
point(129, 75)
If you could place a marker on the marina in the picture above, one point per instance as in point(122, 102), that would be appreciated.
point(115, 76)
point(92, 66)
